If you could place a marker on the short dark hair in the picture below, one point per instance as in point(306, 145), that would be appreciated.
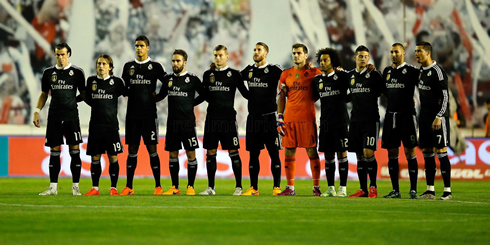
point(62, 46)
point(109, 60)
point(263, 45)
point(425, 45)
point(221, 47)
point(144, 39)
point(181, 52)
point(300, 45)
point(361, 48)
point(334, 56)
point(399, 45)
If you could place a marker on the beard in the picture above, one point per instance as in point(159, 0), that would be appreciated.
point(177, 69)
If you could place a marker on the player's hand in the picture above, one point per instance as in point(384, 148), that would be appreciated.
point(370, 68)
point(36, 120)
point(309, 65)
point(339, 68)
point(281, 125)
point(436, 125)
point(283, 89)
point(212, 66)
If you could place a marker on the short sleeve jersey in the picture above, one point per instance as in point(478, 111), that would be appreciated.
point(434, 96)
point(220, 86)
point(63, 84)
point(141, 80)
point(102, 95)
point(262, 86)
point(300, 106)
point(181, 91)
point(400, 85)
point(365, 89)
point(331, 89)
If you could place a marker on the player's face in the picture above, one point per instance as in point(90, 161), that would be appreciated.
point(362, 59)
point(141, 48)
point(178, 63)
point(61, 57)
point(421, 55)
point(103, 67)
point(299, 56)
point(259, 53)
point(220, 58)
point(325, 63)
point(397, 55)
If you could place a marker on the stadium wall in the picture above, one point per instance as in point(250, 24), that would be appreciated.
point(26, 156)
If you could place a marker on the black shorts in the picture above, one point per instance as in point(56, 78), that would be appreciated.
point(399, 127)
point(101, 141)
point(262, 130)
point(141, 127)
point(55, 131)
point(334, 139)
point(221, 130)
point(181, 133)
point(429, 138)
point(363, 135)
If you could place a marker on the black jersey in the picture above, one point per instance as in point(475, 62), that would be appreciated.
point(434, 97)
point(221, 86)
point(63, 84)
point(181, 91)
point(400, 86)
point(262, 86)
point(332, 89)
point(101, 94)
point(141, 80)
point(365, 89)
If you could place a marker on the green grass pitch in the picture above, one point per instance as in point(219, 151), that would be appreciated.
point(27, 218)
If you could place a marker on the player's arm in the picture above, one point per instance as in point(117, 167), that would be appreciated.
point(87, 93)
point(163, 90)
point(201, 92)
point(281, 105)
point(436, 124)
point(241, 85)
point(40, 104)
point(315, 93)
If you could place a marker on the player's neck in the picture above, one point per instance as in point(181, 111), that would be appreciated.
point(219, 67)
point(62, 66)
point(397, 65)
point(261, 63)
point(142, 58)
point(299, 66)
point(326, 72)
point(428, 62)
point(360, 68)
point(181, 72)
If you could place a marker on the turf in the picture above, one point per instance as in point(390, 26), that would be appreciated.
point(27, 218)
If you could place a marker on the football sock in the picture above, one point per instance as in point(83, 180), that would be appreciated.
point(191, 171)
point(174, 167)
point(54, 166)
point(394, 169)
point(275, 166)
point(53, 185)
point(95, 170)
point(372, 166)
point(236, 164)
point(114, 173)
point(430, 167)
point(413, 172)
point(343, 170)
point(445, 168)
point(315, 170)
point(330, 171)
point(362, 173)
point(130, 168)
point(155, 167)
point(290, 167)
point(75, 165)
point(254, 169)
point(211, 169)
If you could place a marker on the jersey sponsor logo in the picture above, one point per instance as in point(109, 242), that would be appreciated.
point(360, 89)
point(150, 67)
point(187, 80)
point(176, 92)
point(404, 71)
point(266, 70)
point(140, 79)
point(111, 82)
point(71, 73)
point(394, 84)
point(424, 87)
point(257, 84)
point(250, 74)
point(228, 74)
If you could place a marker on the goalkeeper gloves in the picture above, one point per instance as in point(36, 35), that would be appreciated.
point(281, 125)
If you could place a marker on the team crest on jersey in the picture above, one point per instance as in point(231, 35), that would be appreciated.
point(170, 84)
point(429, 73)
point(94, 86)
point(297, 75)
point(320, 86)
point(211, 79)
point(352, 81)
point(335, 77)
point(111, 82)
point(187, 80)
point(228, 74)
point(404, 71)
point(388, 77)
point(131, 71)
point(368, 76)
point(266, 70)
point(150, 67)
point(250, 74)
point(71, 73)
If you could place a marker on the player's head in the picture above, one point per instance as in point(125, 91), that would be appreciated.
point(261, 50)
point(220, 54)
point(328, 59)
point(141, 47)
point(361, 56)
point(62, 51)
point(179, 60)
point(423, 51)
point(397, 54)
point(104, 65)
point(300, 53)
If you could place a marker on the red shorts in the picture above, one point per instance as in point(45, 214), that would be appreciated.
point(300, 134)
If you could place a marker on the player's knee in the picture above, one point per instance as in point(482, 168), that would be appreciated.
point(151, 148)
point(312, 152)
point(442, 150)
point(368, 153)
point(191, 154)
point(173, 154)
point(393, 152)
point(231, 151)
point(410, 153)
point(212, 152)
point(74, 147)
point(112, 158)
point(290, 152)
point(329, 155)
point(56, 148)
point(96, 158)
point(133, 149)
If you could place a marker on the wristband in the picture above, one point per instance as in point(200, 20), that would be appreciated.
point(280, 116)
point(37, 110)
